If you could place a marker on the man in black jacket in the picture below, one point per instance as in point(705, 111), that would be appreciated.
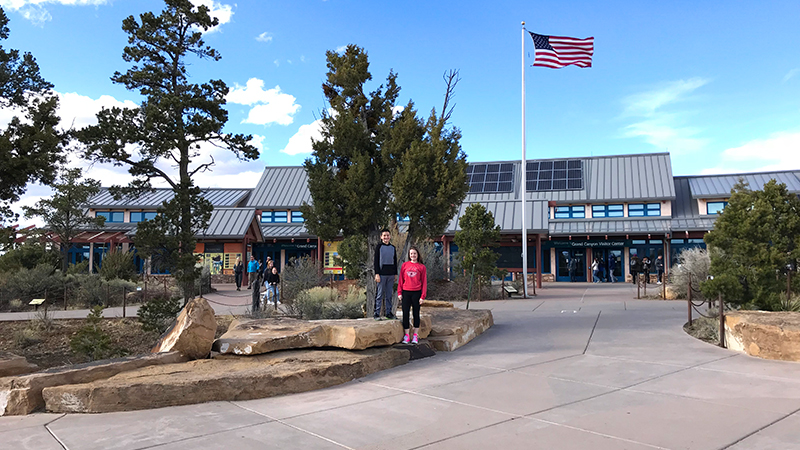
point(385, 270)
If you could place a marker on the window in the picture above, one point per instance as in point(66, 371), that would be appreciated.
point(570, 212)
point(607, 211)
point(644, 209)
point(677, 241)
point(274, 217)
point(142, 216)
point(297, 217)
point(715, 207)
point(111, 216)
point(403, 219)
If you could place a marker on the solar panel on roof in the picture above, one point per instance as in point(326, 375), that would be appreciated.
point(564, 174)
point(490, 178)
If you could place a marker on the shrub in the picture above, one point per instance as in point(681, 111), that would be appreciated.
point(325, 303)
point(28, 256)
point(455, 290)
point(91, 341)
point(118, 265)
point(42, 321)
point(158, 314)
point(301, 274)
point(26, 337)
point(26, 284)
point(693, 263)
point(91, 289)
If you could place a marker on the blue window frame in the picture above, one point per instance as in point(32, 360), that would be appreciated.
point(140, 216)
point(644, 209)
point(403, 218)
point(608, 211)
point(274, 217)
point(570, 212)
point(111, 216)
point(297, 217)
point(715, 207)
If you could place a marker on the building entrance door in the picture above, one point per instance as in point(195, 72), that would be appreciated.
point(612, 264)
point(571, 258)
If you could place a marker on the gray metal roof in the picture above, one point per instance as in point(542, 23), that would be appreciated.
point(609, 226)
point(606, 179)
point(684, 206)
point(719, 186)
point(281, 187)
point(509, 216)
point(229, 223)
point(693, 224)
point(282, 231)
point(219, 197)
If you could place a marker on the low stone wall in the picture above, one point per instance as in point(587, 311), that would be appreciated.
point(453, 328)
point(769, 335)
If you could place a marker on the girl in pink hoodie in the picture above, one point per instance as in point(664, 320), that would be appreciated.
point(412, 286)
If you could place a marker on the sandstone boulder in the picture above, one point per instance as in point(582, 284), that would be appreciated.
point(452, 328)
point(23, 394)
point(255, 337)
point(11, 364)
point(770, 335)
point(436, 304)
point(227, 379)
point(192, 333)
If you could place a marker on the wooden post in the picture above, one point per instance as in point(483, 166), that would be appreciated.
point(124, 300)
point(721, 322)
point(689, 300)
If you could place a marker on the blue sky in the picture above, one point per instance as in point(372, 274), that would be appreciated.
point(715, 83)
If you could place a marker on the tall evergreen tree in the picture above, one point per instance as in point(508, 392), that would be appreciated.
point(755, 239)
point(31, 149)
point(364, 142)
point(64, 213)
point(175, 118)
point(475, 239)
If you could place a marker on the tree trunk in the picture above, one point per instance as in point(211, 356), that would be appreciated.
point(373, 239)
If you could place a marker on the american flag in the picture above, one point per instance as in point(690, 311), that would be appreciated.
point(559, 51)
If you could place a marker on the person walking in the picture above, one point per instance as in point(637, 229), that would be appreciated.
point(238, 273)
point(273, 280)
point(385, 266)
point(596, 270)
point(612, 265)
point(252, 270)
point(635, 268)
point(660, 268)
point(646, 269)
point(411, 289)
point(572, 266)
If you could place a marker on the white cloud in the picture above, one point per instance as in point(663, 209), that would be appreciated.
point(301, 141)
point(220, 11)
point(791, 74)
point(35, 11)
point(775, 153)
point(341, 48)
point(268, 106)
point(277, 63)
point(660, 128)
point(264, 37)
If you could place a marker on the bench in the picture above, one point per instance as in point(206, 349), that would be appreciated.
point(510, 290)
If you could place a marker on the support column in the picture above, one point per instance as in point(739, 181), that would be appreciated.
point(539, 260)
point(91, 256)
point(320, 250)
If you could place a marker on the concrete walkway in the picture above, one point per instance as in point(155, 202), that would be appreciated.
point(580, 367)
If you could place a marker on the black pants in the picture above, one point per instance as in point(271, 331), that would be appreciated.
point(635, 276)
point(239, 276)
point(411, 299)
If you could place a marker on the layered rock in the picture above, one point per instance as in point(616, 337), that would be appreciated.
point(226, 379)
point(770, 335)
point(192, 333)
point(452, 328)
point(23, 394)
point(255, 337)
point(11, 364)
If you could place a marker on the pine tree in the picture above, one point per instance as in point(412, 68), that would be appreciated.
point(170, 125)
point(352, 170)
point(475, 239)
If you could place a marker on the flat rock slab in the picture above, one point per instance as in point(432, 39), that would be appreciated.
point(23, 394)
point(255, 337)
point(11, 364)
point(452, 328)
point(770, 335)
point(225, 379)
point(417, 351)
point(436, 304)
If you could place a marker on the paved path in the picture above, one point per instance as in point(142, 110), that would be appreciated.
point(580, 367)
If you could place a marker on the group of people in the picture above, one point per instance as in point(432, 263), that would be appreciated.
point(644, 266)
point(258, 274)
point(412, 285)
point(599, 272)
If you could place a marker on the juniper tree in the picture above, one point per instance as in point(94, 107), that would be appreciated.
point(475, 239)
point(31, 149)
point(168, 128)
point(64, 213)
point(364, 142)
point(755, 238)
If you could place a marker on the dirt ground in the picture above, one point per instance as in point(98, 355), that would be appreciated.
point(50, 348)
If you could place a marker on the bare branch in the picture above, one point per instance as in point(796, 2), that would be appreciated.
point(451, 78)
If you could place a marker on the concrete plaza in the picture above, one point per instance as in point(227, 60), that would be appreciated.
point(582, 366)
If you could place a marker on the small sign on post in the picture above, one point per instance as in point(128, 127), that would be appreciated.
point(36, 302)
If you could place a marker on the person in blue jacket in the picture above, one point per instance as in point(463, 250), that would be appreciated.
point(252, 270)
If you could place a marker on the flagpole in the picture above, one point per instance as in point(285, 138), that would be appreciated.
point(524, 186)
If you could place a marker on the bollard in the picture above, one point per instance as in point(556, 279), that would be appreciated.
point(689, 300)
point(124, 300)
point(638, 287)
point(721, 322)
